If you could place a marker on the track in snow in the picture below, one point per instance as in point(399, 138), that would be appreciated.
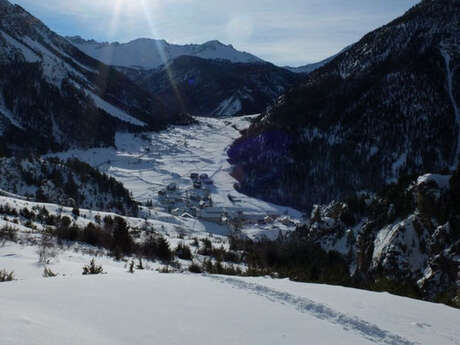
point(304, 305)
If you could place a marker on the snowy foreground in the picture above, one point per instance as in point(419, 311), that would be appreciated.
point(148, 307)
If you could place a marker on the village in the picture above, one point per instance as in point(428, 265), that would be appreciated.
point(196, 202)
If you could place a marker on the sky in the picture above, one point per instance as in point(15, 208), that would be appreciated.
point(289, 32)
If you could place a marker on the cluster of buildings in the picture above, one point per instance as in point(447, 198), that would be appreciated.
point(195, 201)
point(192, 202)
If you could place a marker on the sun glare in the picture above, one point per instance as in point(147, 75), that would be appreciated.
point(115, 21)
point(148, 10)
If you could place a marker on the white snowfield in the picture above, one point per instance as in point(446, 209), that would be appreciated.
point(114, 111)
point(148, 163)
point(119, 308)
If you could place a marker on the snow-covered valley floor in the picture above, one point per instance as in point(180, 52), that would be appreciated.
point(148, 307)
point(147, 163)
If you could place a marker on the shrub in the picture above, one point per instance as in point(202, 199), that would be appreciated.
point(165, 269)
point(195, 268)
point(48, 273)
point(6, 276)
point(76, 212)
point(92, 268)
point(164, 252)
point(122, 240)
point(46, 250)
point(131, 267)
point(140, 266)
point(183, 252)
point(8, 233)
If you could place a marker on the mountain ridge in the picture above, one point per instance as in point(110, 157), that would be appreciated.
point(149, 53)
point(205, 87)
point(377, 111)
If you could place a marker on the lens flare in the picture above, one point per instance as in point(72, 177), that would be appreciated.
point(164, 58)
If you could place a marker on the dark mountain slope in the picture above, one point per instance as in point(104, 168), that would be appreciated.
point(215, 87)
point(379, 110)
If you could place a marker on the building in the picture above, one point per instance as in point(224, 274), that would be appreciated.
point(212, 214)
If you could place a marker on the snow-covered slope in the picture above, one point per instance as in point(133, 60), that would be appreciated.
point(149, 53)
point(306, 69)
point(72, 183)
point(148, 307)
point(60, 97)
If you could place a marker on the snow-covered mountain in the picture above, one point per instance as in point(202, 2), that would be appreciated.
point(211, 79)
point(54, 96)
point(215, 87)
point(386, 107)
point(150, 53)
point(306, 69)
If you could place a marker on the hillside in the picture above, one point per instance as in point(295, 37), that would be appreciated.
point(405, 239)
point(53, 96)
point(385, 107)
point(215, 88)
point(71, 183)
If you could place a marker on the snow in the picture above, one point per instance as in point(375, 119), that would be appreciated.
point(230, 106)
point(54, 68)
point(29, 55)
point(149, 53)
point(114, 111)
point(442, 181)
point(152, 308)
point(317, 65)
point(389, 244)
point(8, 114)
point(398, 164)
point(450, 77)
point(149, 162)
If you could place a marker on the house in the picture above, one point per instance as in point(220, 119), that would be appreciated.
point(171, 187)
point(207, 181)
point(194, 176)
point(186, 215)
point(212, 214)
point(197, 184)
point(175, 212)
point(204, 177)
point(194, 196)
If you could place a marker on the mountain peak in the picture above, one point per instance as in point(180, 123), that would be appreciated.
point(151, 53)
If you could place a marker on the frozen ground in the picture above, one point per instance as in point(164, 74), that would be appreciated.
point(170, 309)
point(147, 163)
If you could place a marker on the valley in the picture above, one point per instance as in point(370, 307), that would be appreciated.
point(146, 163)
point(181, 193)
